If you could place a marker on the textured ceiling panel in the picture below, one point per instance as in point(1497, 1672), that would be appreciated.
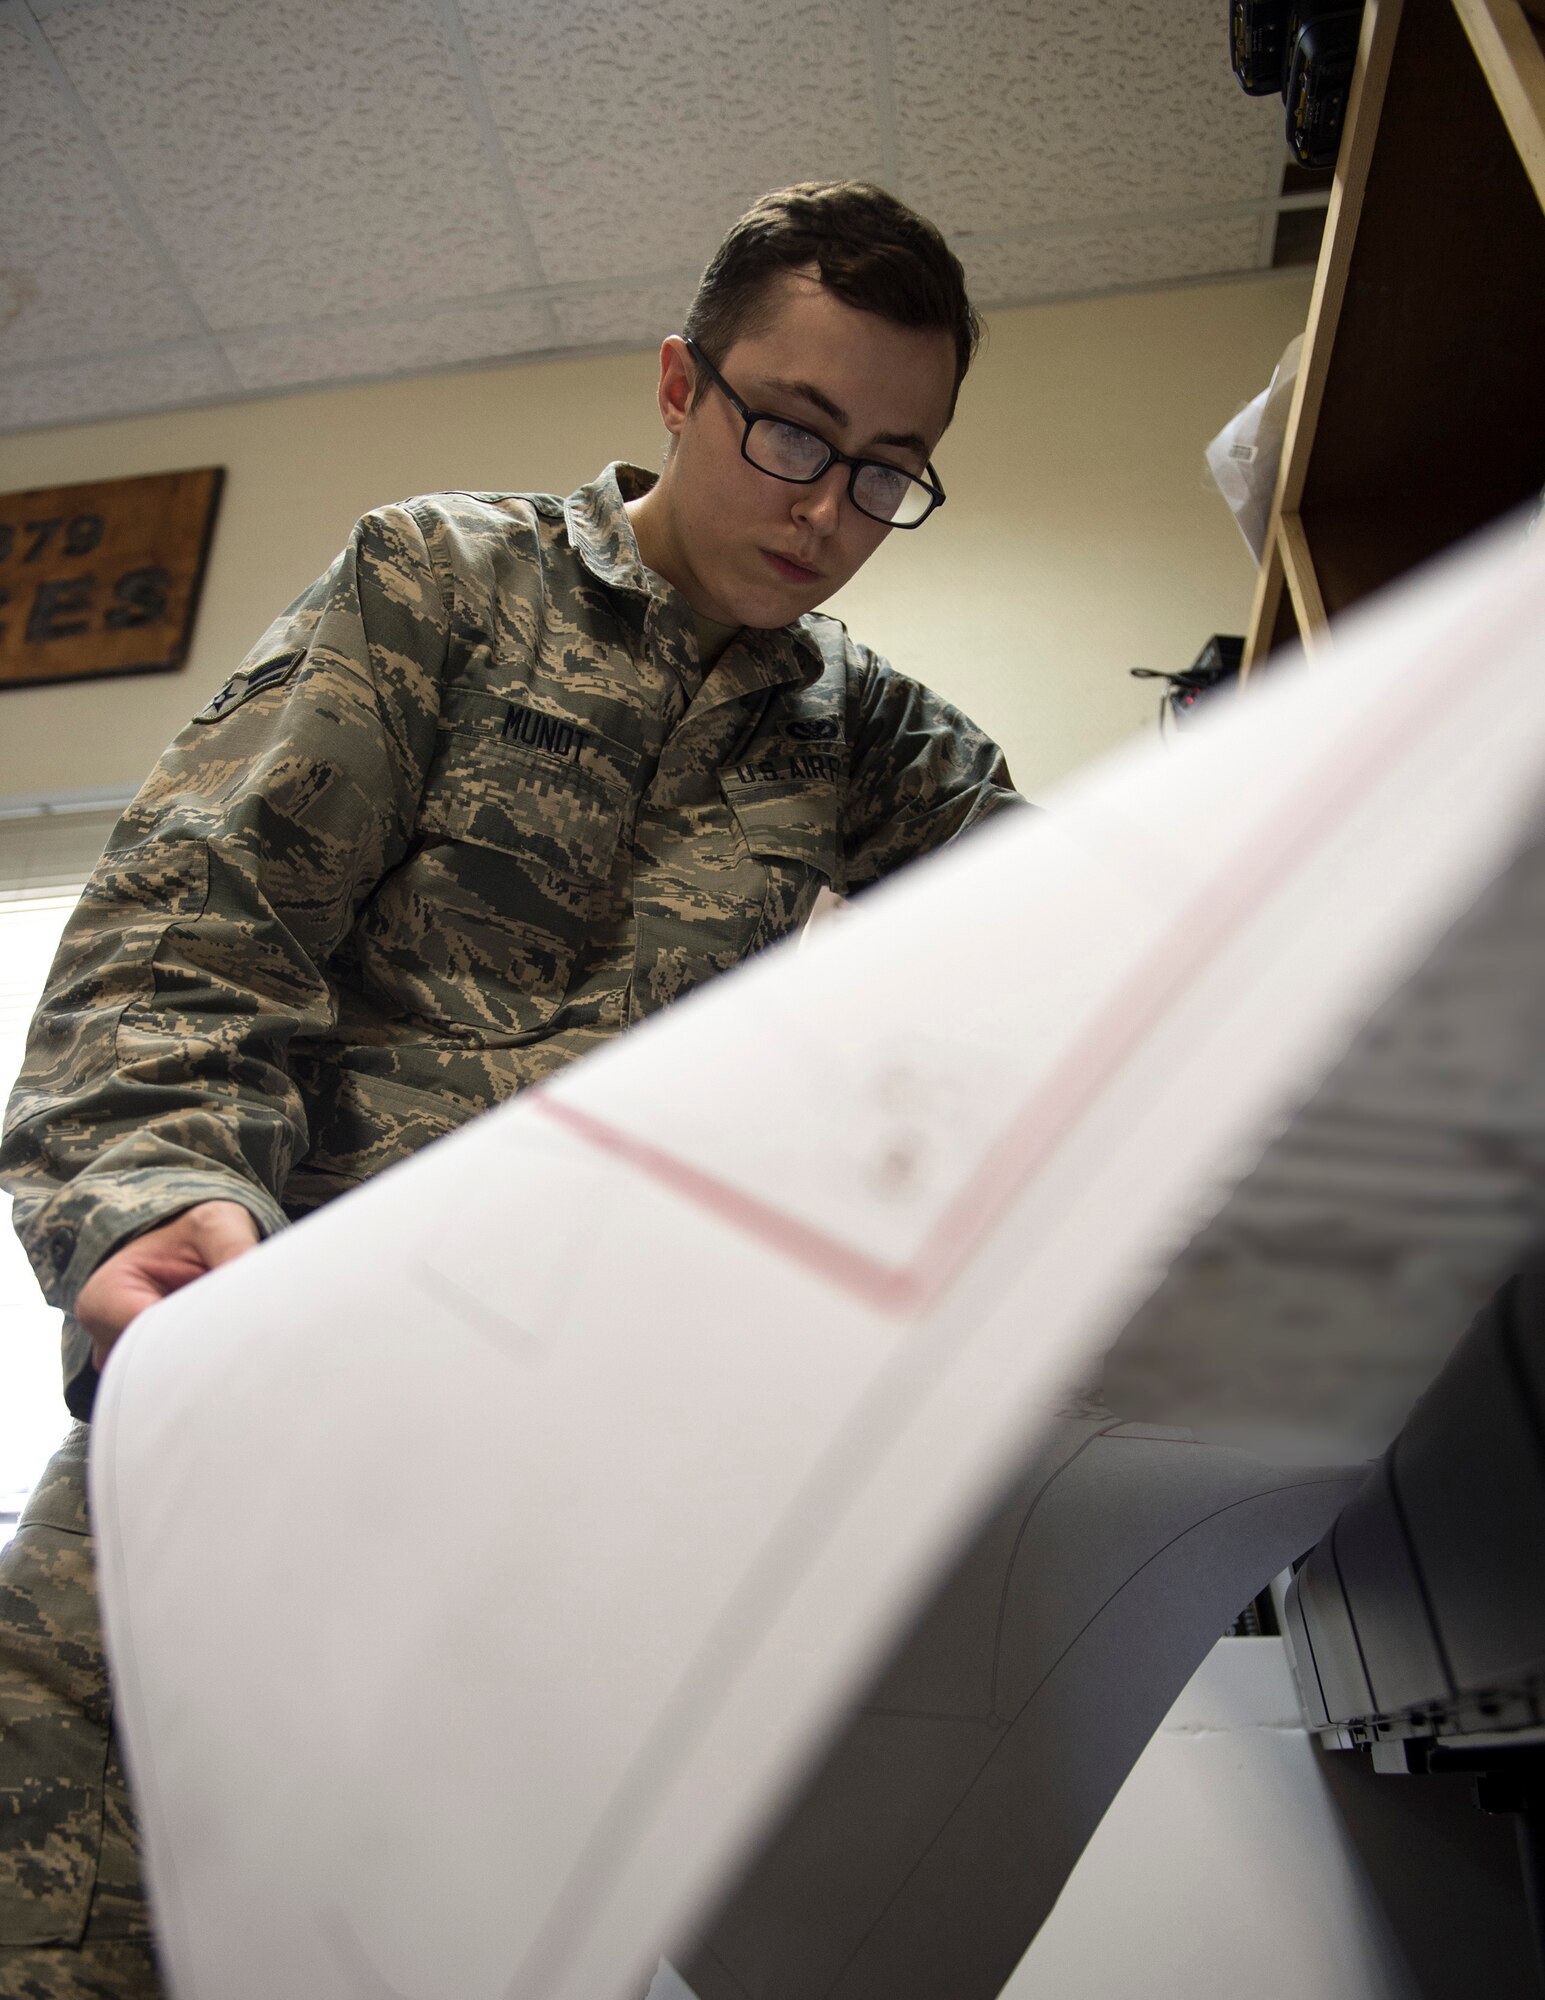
point(1096, 260)
point(627, 315)
point(636, 133)
point(344, 189)
point(73, 273)
point(169, 378)
point(1023, 112)
point(298, 158)
point(287, 356)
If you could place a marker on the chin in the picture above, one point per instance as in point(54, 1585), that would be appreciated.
point(766, 602)
point(770, 620)
point(762, 610)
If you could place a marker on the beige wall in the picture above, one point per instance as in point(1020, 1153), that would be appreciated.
point(1079, 540)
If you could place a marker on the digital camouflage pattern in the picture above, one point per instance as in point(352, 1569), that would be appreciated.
point(467, 808)
point(69, 1868)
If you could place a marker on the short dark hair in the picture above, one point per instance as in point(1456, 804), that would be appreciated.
point(870, 249)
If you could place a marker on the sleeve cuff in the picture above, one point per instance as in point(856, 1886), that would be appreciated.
point(129, 1205)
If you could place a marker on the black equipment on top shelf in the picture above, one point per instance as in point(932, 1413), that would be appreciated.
point(1319, 84)
point(1305, 49)
point(1258, 44)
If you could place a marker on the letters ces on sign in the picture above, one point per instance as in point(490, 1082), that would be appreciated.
point(103, 578)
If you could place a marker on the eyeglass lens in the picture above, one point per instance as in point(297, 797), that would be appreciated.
point(790, 452)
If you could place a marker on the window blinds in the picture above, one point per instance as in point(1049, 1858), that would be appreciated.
point(46, 853)
point(45, 856)
point(46, 848)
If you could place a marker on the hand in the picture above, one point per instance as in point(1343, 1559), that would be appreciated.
point(160, 1262)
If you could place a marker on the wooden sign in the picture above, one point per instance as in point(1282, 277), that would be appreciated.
point(103, 578)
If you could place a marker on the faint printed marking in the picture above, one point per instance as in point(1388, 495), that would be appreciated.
point(347, 1948)
point(514, 1342)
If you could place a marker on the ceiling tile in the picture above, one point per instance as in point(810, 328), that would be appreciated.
point(169, 379)
point(74, 275)
point(638, 315)
point(636, 135)
point(296, 159)
point(1021, 112)
point(1094, 260)
point(319, 174)
point(293, 355)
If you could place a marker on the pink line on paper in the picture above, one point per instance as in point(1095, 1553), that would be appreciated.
point(1302, 824)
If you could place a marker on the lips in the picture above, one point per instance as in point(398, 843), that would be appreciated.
point(791, 571)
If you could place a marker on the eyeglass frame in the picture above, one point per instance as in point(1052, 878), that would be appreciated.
point(930, 483)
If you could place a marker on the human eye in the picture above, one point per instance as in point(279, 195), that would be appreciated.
point(795, 448)
point(881, 488)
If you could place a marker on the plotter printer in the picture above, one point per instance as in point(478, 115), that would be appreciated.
point(922, 1855)
point(1416, 1626)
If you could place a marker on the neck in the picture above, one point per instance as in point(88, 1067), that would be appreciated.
point(649, 519)
point(654, 530)
point(712, 638)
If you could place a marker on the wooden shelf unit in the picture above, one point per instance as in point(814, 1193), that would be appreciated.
point(1419, 412)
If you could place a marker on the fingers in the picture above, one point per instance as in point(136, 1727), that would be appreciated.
point(109, 1299)
point(158, 1263)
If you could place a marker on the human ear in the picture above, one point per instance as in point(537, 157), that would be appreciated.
point(677, 380)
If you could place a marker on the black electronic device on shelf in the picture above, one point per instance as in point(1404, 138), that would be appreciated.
point(1258, 44)
point(1319, 84)
point(1306, 49)
point(1217, 662)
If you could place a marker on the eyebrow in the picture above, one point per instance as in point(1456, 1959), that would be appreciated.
point(901, 440)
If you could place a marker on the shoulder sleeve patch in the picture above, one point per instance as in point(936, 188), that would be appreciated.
point(248, 681)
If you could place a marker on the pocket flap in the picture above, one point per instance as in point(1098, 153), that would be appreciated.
point(791, 819)
point(492, 795)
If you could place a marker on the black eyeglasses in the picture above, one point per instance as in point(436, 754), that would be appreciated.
point(788, 451)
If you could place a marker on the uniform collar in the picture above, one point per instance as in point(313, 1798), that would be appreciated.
point(602, 534)
point(600, 529)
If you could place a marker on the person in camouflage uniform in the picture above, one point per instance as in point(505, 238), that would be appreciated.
point(515, 772)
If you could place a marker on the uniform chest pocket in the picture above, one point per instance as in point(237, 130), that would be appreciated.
point(552, 817)
point(481, 929)
point(790, 825)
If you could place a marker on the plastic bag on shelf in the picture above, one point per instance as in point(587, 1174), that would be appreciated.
point(1243, 458)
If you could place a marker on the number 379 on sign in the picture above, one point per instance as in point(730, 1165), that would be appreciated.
point(103, 578)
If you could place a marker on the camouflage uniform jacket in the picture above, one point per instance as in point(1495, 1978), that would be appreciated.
point(469, 807)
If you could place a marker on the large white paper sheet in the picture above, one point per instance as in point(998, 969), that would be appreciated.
point(923, 1853)
point(481, 1558)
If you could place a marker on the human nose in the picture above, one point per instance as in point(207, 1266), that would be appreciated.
point(819, 505)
